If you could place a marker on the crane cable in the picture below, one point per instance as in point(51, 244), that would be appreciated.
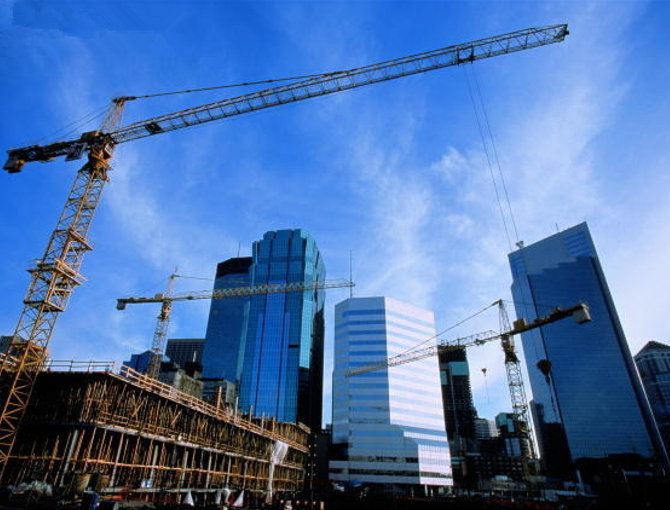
point(448, 329)
point(243, 84)
point(488, 158)
point(495, 154)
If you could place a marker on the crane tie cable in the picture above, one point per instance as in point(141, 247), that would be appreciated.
point(243, 84)
point(488, 158)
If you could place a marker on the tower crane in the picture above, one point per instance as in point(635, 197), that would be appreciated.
point(57, 273)
point(166, 300)
point(522, 421)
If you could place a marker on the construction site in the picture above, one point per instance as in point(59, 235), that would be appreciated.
point(111, 429)
point(67, 427)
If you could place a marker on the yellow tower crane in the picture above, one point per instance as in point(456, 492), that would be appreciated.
point(522, 420)
point(166, 300)
point(56, 274)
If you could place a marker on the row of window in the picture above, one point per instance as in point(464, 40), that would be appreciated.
point(379, 472)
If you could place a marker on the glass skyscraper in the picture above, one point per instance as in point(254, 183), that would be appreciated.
point(388, 425)
point(281, 350)
point(590, 404)
point(653, 362)
point(226, 327)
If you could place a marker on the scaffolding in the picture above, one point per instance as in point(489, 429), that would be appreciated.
point(110, 428)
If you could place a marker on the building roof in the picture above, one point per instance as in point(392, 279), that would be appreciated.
point(653, 346)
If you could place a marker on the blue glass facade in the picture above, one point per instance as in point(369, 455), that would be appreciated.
point(282, 356)
point(653, 362)
point(140, 362)
point(224, 341)
point(592, 404)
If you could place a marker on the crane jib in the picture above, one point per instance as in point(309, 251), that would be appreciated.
point(297, 91)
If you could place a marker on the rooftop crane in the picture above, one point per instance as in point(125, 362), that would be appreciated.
point(56, 274)
point(579, 312)
point(166, 300)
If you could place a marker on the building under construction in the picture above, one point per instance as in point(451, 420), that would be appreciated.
point(114, 430)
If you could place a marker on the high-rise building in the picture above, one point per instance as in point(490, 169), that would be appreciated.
point(457, 403)
point(590, 403)
point(653, 363)
point(226, 328)
point(185, 350)
point(485, 429)
point(388, 425)
point(282, 349)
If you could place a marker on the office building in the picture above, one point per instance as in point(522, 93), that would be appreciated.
point(485, 429)
point(459, 409)
point(388, 425)
point(653, 363)
point(282, 349)
point(5, 343)
point(140, 361)
point(185, 350)
point(171, 373)
point(226, 328)
point(457, 403)
point(590, 404)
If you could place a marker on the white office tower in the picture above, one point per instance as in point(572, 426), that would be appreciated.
point(388, 425)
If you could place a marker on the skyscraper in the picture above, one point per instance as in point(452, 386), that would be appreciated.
point(457, 403)
point(226, 327)
point(282, 348)
point(653, 363)
point(459, 408)
point(388, 425)
point(590, 403)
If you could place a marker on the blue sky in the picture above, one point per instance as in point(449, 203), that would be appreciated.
point(395, 173)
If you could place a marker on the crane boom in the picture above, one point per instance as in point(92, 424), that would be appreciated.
point(166, 300)
point(321, 85)
point(417, 354)
point(265, 288)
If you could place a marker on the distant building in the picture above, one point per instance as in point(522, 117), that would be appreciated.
point(459, 409)
point(282, 357)
point(485, 429)
point(170, 373)
point(653, 363)
point(590, 404)
point(457, 403)
point(140, 362)
point(509, 435)
point(388, 425)
point(226, 328)
point(185, 350)
point(496, 454)
point(5, 343)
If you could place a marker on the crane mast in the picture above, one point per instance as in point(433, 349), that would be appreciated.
point(56, 274)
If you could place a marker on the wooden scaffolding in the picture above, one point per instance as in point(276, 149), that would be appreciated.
point(130, 433)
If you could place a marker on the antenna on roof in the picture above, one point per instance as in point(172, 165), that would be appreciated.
point(351, 273)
